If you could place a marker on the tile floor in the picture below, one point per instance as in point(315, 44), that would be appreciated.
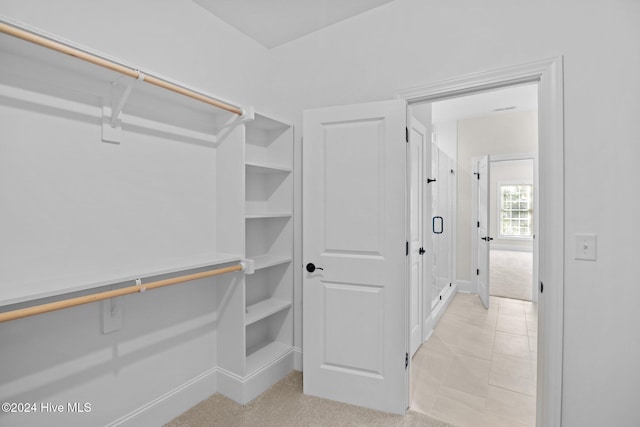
point(478, 369)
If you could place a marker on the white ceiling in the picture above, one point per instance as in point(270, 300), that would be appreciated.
point(275, 22)
point(522, 98)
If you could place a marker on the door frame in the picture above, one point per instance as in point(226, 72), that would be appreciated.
point(419, 296)
point(548, 74)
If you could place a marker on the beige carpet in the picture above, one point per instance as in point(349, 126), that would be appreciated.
point(511, 274)
point(285, 405)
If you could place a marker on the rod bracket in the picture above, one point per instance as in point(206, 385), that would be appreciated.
point(248, 266)
point(112, 105)
point(248, 114)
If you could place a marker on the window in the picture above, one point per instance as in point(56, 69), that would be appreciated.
point(516, 204)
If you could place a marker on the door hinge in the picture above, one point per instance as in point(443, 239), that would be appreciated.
point(407, 248)
point(406, 360)
point(440, 297)
point(406, 134)
point(477, 272)
point(477, 174)
point(478, 224)
point(541, 287)
point(421, 251)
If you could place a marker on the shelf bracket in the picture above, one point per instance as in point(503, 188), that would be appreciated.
point(248, 114)
point(112, 314)
point(248, 266)
point(112, 107)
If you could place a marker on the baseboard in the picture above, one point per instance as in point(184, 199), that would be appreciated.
point(427, 328)
point(466, 286)
point(297, 359)
point(177, 401)
point(441, 308)
point(173, 403)
point(244, 390)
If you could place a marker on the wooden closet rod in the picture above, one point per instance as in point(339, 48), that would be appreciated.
point(85, 299)
point(102, 62)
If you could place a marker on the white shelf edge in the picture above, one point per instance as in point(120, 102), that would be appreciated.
point(265, 354)
point(264, 261)
point(89, 282)
point(258, 215)
point(268, 168)
point(268, 122)
point(264, 309)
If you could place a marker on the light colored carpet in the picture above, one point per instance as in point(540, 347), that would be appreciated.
point(511, 274)
point(285, 405)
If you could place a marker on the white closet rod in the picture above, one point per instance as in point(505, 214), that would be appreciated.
point(102, 62)
point(139, 287)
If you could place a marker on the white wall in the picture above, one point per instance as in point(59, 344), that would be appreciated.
point(367, 58)
point(446, 134)
point(505, 172)
point(505, 133)
point(169, 335)
point(371, 56)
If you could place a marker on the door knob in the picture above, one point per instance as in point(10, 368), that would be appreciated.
point(487, 239)
point(311, 267)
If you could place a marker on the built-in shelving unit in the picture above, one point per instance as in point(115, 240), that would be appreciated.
point(166, 185)
point(269, 243)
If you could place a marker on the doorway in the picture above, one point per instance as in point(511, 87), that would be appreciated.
point(513, 214)
point(386, 291)
point(488, 346)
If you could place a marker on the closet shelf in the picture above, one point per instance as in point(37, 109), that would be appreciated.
point(254, 167)
point(80, 58)
point(261, 355)
point(265, 309)
point(264, 261)
point(258, 215)
point(82, 281)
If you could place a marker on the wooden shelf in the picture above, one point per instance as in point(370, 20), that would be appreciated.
point(254, 167)
point(264, 261)
point(265, 309)
point(261, 355)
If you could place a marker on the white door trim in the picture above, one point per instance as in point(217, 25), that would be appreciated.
point(548, 73)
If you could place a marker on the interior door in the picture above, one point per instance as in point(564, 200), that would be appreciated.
point(355, 295)
point(483, 230)
point(417, 143)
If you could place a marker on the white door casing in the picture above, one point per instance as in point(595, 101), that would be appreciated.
point(483, 229)
point(418, 140)
point(548, 73)
point(355, 328)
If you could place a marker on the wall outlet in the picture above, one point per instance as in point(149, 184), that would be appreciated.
point(586, 247)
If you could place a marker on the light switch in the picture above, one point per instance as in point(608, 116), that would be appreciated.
point(586, 247)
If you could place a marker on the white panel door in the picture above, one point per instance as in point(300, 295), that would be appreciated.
point(354, 232)
point(418, 140)
point(483, 230)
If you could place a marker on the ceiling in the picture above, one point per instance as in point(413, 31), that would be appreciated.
point(508, 100)
point(275, 22)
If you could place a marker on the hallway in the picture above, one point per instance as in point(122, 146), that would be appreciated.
point(479, 366)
